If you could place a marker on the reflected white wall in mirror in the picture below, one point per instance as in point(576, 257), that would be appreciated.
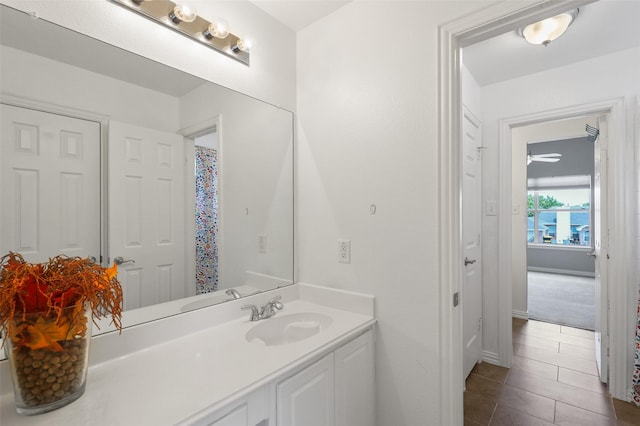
point(133, 99)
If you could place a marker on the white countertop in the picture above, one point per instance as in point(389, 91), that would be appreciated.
point(200, 372)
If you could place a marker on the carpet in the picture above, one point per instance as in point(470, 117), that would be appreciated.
point(562, 299)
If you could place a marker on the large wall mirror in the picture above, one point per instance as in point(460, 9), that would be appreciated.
point(109, 155)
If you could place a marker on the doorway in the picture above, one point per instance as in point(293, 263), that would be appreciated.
point(453, 36)
point(206, 212)
point(203, 183)
point(553, 170)
point(568, 122)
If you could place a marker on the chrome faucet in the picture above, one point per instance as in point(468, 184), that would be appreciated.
point(266, 311)
point(233, 292)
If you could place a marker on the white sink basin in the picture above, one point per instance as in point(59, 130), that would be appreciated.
point(288, 328)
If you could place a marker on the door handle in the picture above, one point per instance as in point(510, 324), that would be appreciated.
point(468, 261)
point(120, 261)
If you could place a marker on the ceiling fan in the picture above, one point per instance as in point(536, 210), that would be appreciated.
point(545, 158)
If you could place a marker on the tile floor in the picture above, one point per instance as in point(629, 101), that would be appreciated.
point(553, 381)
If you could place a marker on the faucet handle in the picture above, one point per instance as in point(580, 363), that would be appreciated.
point(255, 315)
point(270, 308)
point(276, 304)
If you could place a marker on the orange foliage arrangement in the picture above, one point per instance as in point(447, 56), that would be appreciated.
point(43, 304)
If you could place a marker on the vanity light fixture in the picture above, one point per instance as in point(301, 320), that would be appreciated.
point(183, 19)
point(547, 30)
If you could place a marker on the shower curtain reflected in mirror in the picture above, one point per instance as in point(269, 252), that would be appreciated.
point(206, 219)
point(636, 373)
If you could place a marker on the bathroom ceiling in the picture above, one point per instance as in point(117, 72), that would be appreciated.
point(297, 14)
point(601, 28)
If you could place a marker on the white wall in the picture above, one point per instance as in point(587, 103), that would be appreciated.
point(471, 91)
point(368, 134)
point(256, 173)
point(271, 75)
point(35, 77)
point(607, 77)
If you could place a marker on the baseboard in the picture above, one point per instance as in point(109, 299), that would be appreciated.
point(629, 395)
point(491, 357)
point(561, 271)
point(520, 314)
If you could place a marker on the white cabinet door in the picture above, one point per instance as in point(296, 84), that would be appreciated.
point(355, 382)
point(248, 411)
point(307, 398)
point(236, 417)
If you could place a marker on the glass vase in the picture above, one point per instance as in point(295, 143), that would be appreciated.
point(48, 354)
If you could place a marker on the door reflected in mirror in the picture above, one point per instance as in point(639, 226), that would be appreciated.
point(111, 155)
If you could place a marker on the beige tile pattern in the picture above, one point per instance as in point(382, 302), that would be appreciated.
point(553, 381)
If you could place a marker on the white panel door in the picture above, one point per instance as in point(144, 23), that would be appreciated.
point(600, 244)
point(307, 398)
point(355, 384)
point(146, 213)
point(49, 185)
point(472, 273)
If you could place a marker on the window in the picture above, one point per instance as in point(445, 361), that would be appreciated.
point(559, 216)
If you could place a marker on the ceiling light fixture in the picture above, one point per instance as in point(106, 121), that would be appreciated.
point(547, 30)
point(184, 20)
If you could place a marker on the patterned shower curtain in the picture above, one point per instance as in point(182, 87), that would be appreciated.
point(636, 372)
point(206, 220)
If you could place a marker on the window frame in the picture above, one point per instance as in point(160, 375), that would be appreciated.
point(536, 218)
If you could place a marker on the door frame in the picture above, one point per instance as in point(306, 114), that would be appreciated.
point(103, 121)
point(614, 108)
point(452, 37)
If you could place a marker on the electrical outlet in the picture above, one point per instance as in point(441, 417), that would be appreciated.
point(344, 251)
point(262, 243)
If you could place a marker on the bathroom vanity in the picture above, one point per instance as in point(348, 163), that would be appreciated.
point(312, 363)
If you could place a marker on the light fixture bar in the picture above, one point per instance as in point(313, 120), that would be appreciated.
point(162, 12)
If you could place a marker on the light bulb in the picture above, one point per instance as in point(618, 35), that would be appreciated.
point(242, 45)
point(218, 29)
point(182, 13)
